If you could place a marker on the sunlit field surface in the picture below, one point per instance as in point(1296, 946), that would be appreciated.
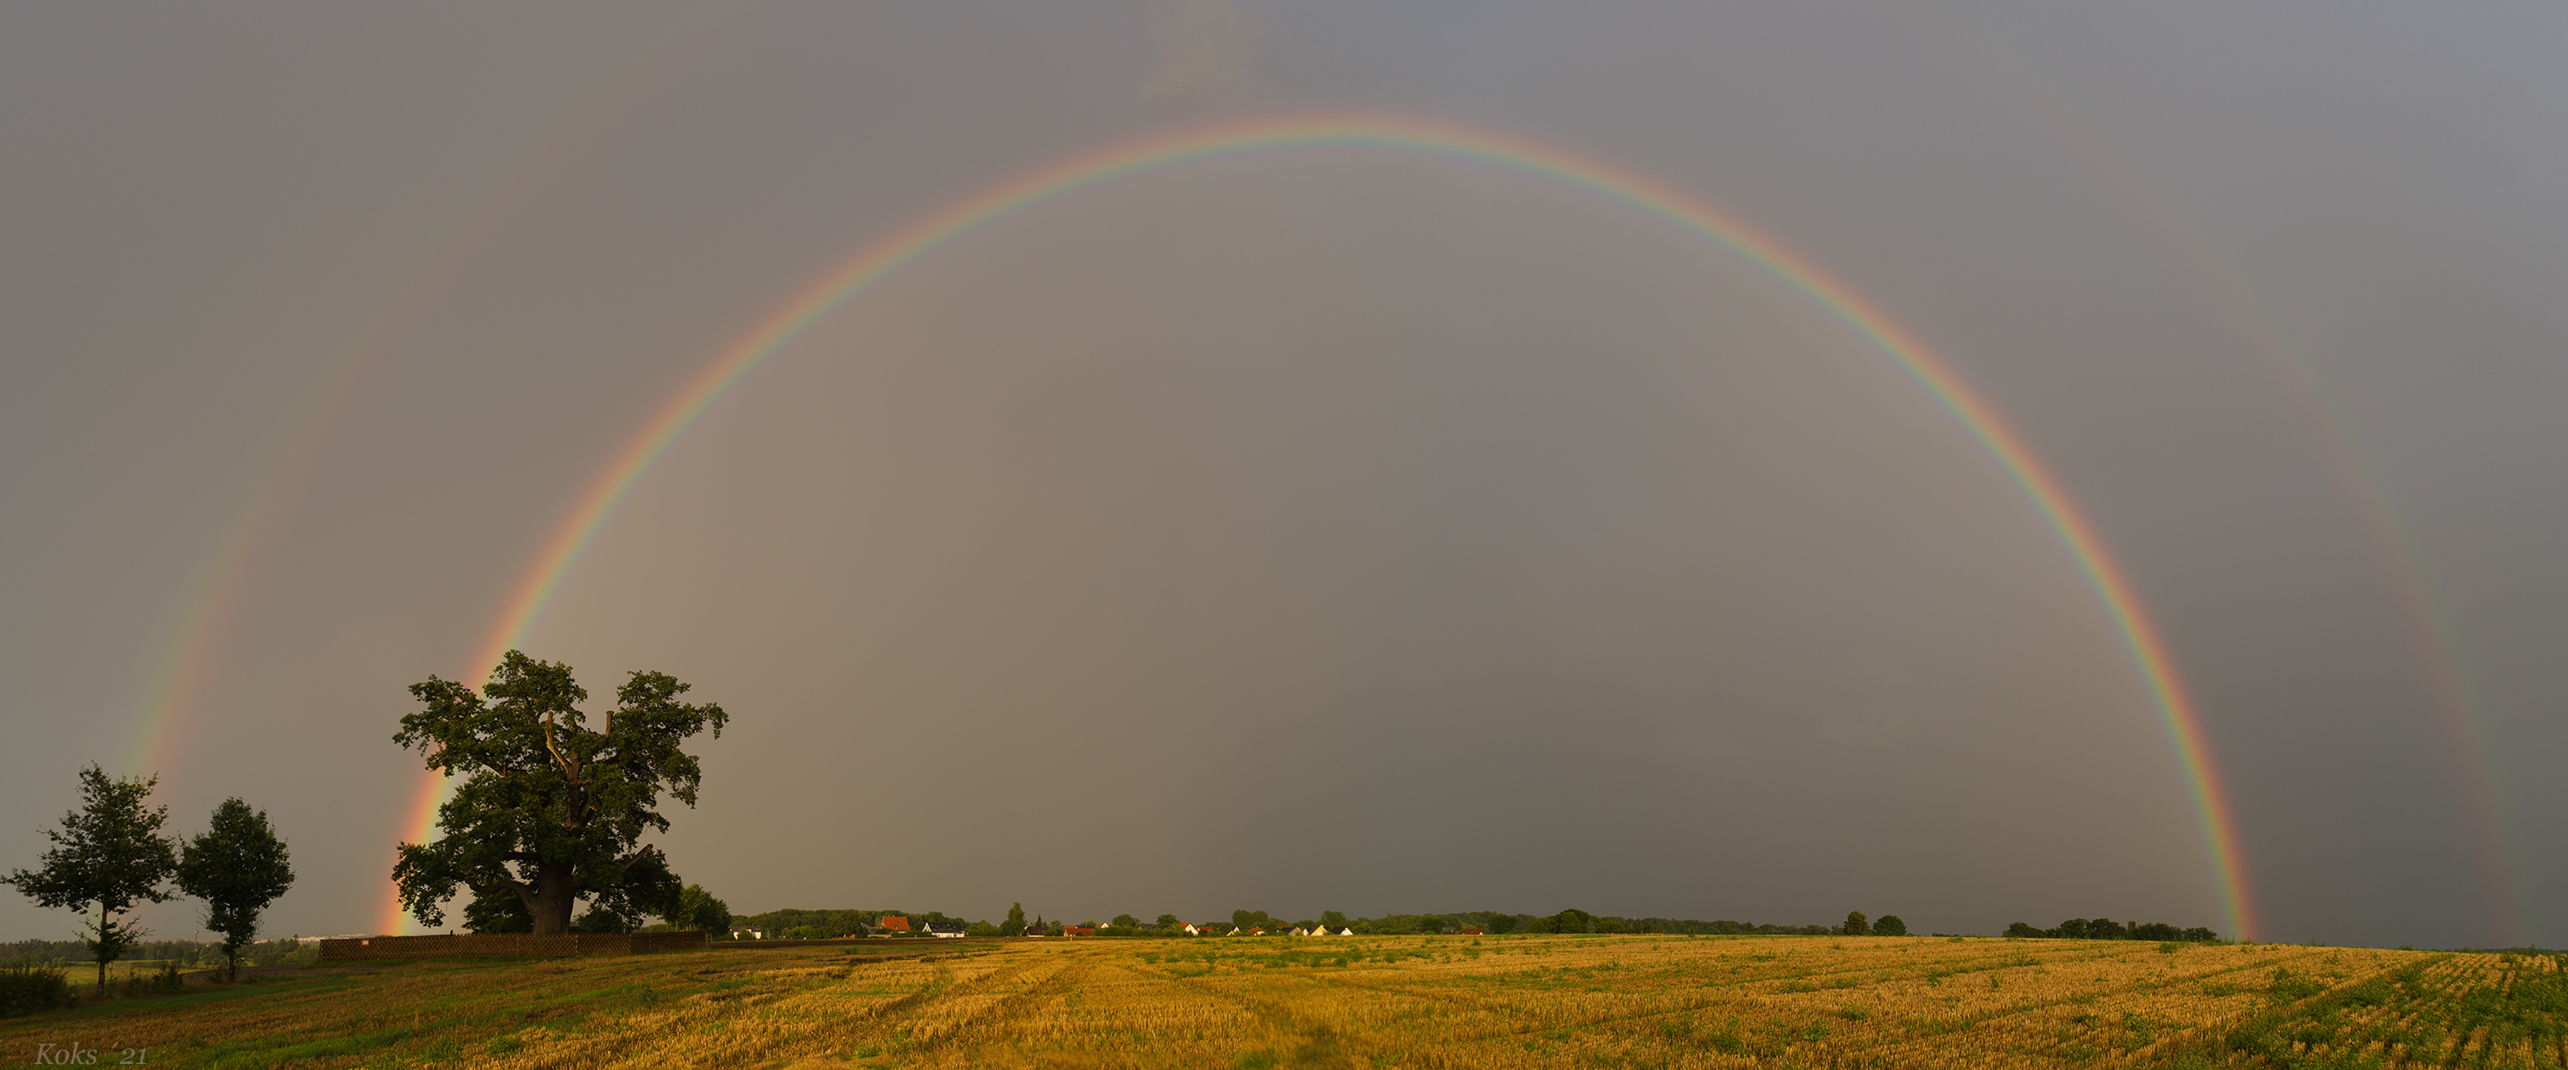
point(1455, 1001)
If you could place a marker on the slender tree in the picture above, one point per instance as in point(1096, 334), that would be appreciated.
point(1015, 925)
point(551, 810)
point(109, 853)
point(237, 867)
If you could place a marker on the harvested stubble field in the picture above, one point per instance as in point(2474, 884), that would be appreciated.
point(1642, 1001)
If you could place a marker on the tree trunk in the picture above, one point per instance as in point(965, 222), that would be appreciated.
point(554, 897)
point(102, 944)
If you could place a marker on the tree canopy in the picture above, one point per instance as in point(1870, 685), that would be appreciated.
point(110, 853)
point(237, 867)
point(551, 810)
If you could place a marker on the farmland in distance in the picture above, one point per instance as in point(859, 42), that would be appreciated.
point(1453, 1001)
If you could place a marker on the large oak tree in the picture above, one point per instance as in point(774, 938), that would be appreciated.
point(549, 810)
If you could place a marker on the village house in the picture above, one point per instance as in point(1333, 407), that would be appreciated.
point(891, 923)
point(947, 929)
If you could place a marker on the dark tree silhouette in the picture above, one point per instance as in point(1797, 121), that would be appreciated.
point(237, 867)
point(110, 853)
point(550, 810)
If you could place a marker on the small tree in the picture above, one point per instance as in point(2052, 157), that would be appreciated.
point(1167, 921)
point(1015, 925)
point(698, 909)
point(1125, 921)
point(1332, 920)
point(110, 852)
point(1855, 925)
point(237, 867)
point(1890, 925)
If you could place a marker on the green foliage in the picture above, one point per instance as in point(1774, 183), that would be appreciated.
point(1251, 919)
point(548, 809)
point(1166, 921)
point(237, 867)
point(1573, 921)
point(498, 911)
point(109, 853)
point(1015, 925)
point(285, 951)
point(2108, 929)
point(699, 910)
point(28, 987)
point(1855, 925)
point(1890, 925)
point(599, 919)
point(2287, 987)
point(1125, 921)
point(831, 923)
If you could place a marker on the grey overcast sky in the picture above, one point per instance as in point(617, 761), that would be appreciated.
point(1338, 527)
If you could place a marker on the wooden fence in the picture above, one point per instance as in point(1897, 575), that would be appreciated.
point(497, 945)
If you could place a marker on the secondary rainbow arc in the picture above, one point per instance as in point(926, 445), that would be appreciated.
point(728, 367)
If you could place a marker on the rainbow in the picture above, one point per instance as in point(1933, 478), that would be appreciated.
point(1058, 181)
point(191, 660)
point(2266, 340)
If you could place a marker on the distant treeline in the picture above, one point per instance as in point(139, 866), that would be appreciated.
point(796, 924)
point(791, 924)
point(2109, 929)
point(187, 953)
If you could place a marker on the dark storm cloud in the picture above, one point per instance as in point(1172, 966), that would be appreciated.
point(1333, 529)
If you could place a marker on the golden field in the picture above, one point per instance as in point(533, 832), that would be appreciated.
point(1453, 1001)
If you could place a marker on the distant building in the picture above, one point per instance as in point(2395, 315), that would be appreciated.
point(748, 934)
point(892, 923)
point(943, 928)
point(1078, 930)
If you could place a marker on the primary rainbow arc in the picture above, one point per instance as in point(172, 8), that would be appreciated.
point(2112, 587)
